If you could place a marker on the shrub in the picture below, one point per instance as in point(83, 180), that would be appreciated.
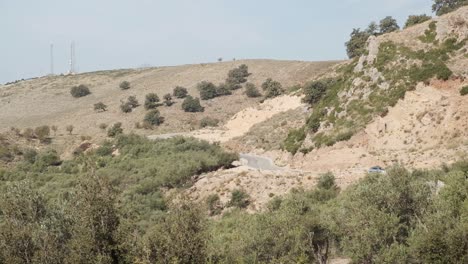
point(30, 155)
point(132, 101)
point(126, 107)
point(237, 76)
point(294, 140)
point(251, 90)
point(314, 91)
point(180, 92)
point(49, 158)
point(388, 24)
point(79, 91)
point(42, 133)
point(100, 107)
point(209, 122)
point(168, 99)
point(124, 85)
point(207, 90)
point(464, 90)
point(154, 118)
point(115, 130)
point(416, 19)
point(103, 126)
point(214, 204)
point(69, 129)
point(355, 47)
point(272, 88)
point(28, 133)
point(151, 101)
point(191, 104)
point(239, 199)
point(223, 89)
point(441, 7)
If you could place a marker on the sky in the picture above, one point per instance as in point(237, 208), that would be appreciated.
point(114, 34)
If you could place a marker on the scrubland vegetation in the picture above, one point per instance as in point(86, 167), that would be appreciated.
point(100, 208)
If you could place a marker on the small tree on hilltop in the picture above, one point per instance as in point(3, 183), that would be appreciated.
point(100, 107)
point(441, 7)
point(180, 92)
point(69, 129)
point(153, 118)
point(251, 90)
point(416, 19)
point(115, 130)
point(151, 101)
point(124, 85)
point(388, 24)
point(191, 104)
point(272, 88)
point(356, 45)
point(168, 99)
point(79, 91)
point(207, 90)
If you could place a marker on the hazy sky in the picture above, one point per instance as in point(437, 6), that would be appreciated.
point(112, 34)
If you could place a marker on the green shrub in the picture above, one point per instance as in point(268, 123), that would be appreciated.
point(388, 24)
point(79, 91)
point(126, 107)
point(314, 91)
point(168, 99)
point(272, 88)
point(115, 130)
point(105, 149)
point(209, 122)
point(416, 19)
point(132, 101)
point(441, 7)
point(237, 76)
point(239, 199)
point(151, 101)
point(464, 90)
point(251, 90)
point(124, 85)
point(153, 118)
point(355, 47)
point(191, 104)
point(430, 34)
point(30, 155)
point(49, 158)
point(223, 89)
point(207, 90)
point(214, 204)
point(294, 140)
point(180, 92)
point(42, 133)
point(100, 107)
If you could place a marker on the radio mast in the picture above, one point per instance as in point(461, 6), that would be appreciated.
point(72, 59)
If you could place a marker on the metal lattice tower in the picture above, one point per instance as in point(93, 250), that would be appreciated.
point(72, 59)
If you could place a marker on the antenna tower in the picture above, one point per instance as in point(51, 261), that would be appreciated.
point(72, 58)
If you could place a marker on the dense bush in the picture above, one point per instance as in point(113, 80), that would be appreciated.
point(151, 101)
point(223, 89)
point(416, 19)
point(209, 122)
point(124, 85)
point(441, 7)
point(464, 90)
point(237, 76)
point(168, 99)
point(388, 24)
point(314, 91)
point(42, 133)
point(180, 92)
point(132, 101)
point(272, 88)
point(115, 130)
point(239, 199)
point(153, 118)
point(100, 106)
point(355, 47)
point(207, 90)
point(251, 90)
point(79, 91)
point(294, 140)
point(191, 104)
point(126, 107)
